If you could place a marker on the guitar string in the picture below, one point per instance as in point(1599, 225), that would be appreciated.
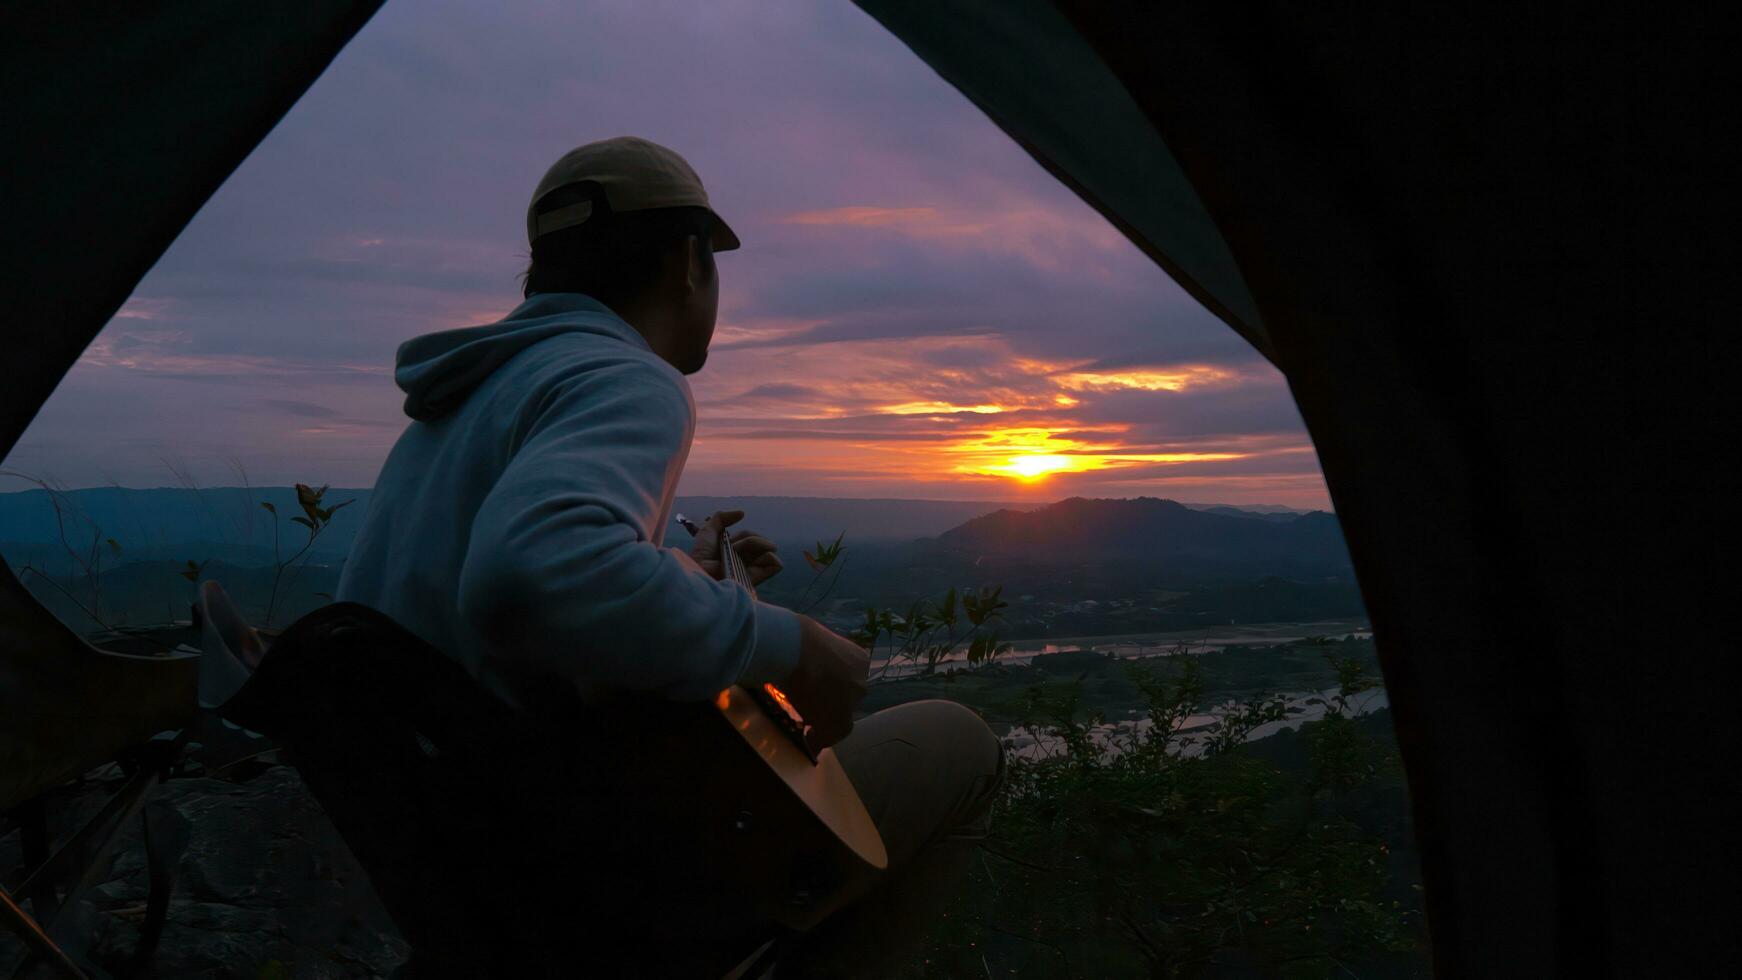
point(734, 565)
point(782, 710)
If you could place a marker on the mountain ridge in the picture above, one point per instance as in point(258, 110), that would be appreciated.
point(149, 520)
point(1149, 528)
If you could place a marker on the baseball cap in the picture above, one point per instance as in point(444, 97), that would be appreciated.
point(635, 174)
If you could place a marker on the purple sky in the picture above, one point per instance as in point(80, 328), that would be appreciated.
point(918, 310)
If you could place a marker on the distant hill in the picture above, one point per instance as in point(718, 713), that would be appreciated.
point(172, 523)
point(809, 519)
point(1073, 568)
point(1264, 510)
point(227, 523)
point(1151, 529)
point(1275, 517)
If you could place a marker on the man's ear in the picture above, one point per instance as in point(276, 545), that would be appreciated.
point(695, 264)
point(679, 268)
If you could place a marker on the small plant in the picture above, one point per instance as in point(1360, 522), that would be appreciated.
point(1352, 679)
point(826, 554)
point(314, 519)
point(86, 557)
point(931, 631)
point(826, 562)
point(1239, 719)
point(1344, 758)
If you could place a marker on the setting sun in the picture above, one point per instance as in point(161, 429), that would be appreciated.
point(1031, 454)
point(1036, 466)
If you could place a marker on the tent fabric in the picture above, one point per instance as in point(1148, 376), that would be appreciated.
point(119, 121)
point(1494, 256)
point(1493, 252)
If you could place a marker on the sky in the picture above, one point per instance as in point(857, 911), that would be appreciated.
point(918, 309)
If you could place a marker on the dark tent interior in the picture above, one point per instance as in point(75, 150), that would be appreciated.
point(1492, 252)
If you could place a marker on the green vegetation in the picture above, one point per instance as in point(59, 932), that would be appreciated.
point(1163, 854)
point(997, 690)
point(966, 621)
point(1160, 849)
point(929, 631)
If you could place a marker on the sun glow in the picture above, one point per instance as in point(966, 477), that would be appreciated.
point(1040, 464)
point(1024, 454)
point(1030, 455)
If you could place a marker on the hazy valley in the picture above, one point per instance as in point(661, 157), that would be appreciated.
point(1078, 567)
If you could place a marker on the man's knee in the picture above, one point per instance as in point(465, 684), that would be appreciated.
point(978, 758)
point(926, 770)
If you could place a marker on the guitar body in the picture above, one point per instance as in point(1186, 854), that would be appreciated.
point(780, 829)
point(719, 826)
point(704, 829)
point(797, 823)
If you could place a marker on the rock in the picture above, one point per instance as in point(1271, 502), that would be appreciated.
point(267, 889)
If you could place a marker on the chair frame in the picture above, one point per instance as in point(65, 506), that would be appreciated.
point(53, 883)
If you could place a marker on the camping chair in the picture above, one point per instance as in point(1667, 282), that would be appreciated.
point(494, 836)
point(67, 707)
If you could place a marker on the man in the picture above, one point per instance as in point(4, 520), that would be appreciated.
point(519, 525)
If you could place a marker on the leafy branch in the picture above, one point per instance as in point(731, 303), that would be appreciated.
point(314, 519)
point(931, 631)
point(827, 559)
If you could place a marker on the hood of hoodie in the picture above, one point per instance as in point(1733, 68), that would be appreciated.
point(438, 370)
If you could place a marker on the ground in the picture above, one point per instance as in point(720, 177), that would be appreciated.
point(267, 889)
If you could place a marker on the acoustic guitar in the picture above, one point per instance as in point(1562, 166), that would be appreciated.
point(725, 793)
point(796, 826)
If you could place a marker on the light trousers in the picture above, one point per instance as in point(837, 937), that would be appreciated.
point(928, 772)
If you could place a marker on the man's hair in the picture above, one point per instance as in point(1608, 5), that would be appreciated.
point(612, 257)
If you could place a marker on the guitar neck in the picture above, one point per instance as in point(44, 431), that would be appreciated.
point(733, 565)
point(729, 560)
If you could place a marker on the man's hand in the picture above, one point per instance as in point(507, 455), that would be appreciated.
point(755, 551)
point(829, 680)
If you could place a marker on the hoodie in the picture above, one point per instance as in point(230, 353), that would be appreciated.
point(519, 522)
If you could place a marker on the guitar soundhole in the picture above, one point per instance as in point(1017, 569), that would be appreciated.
point(775, 705)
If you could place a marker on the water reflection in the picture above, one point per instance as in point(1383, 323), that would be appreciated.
point(1152, 644)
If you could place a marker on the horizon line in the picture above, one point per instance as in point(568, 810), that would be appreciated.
point(736, 496)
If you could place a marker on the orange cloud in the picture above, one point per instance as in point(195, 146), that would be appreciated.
point(144, 308)
point(923, 223)
point(864, 216)
point(732, 330)
point(939, 408)
point(1171, 379)
point(1071, 239)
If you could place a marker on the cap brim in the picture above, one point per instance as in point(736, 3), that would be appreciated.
point(724, 238)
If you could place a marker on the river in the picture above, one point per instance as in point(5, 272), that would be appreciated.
point(1159, 644)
